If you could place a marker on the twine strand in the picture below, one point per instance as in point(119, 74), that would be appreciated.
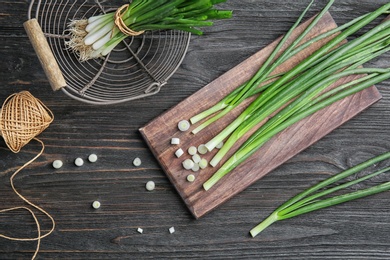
point(22, 118)
point(120, 24)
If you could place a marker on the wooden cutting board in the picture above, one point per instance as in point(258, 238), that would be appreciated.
point(158, 133)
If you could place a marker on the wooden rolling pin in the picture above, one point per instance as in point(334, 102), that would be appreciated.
point(44, 53)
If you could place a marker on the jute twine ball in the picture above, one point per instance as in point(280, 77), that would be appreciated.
point(22, 118)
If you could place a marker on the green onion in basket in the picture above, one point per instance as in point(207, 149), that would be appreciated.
point(98, 35)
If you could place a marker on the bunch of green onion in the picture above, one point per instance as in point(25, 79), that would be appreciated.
point(316, 198)
point(99, 35)
point(300, 92)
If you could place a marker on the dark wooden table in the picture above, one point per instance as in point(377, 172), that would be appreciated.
point(355, 230)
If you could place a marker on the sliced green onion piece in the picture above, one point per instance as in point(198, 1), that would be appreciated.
point(171, 230)
point(196, 158)
point(196, 167)
point(150, 185)
point(175, 140)
point(92, 158)
point(137, 162)
point(96, 204)
point(79, 162)
point(192, 150)
point(57, 164)
point(203, 163)
point(202, 149)
point(191, 178)
point(188, 164)
point(179, 152)
point(183, 125)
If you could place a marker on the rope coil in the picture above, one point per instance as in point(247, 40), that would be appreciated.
point(120, 24)
point(22, 118)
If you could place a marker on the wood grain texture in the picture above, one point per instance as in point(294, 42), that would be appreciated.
point(45, 55)
point(278, 150)
point(356, 230)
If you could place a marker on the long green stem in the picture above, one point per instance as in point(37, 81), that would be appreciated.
point(265, 70)
point(277, 98)
point(297, 41)
point(307, 98)
point(301, 203)
point(261, 72)
point(316, 84)
point(326, 48)
point(281, 59)
point(308, 200)
point(247, 150)
point(275, 89)
point(225, 102)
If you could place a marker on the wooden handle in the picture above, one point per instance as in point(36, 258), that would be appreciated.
point(45, 55)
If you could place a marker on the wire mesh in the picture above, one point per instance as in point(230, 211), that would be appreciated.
point(136, 68)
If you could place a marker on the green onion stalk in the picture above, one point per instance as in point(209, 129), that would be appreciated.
point(262, 82)
point(306, 90)
point(98, 35)
point(250, 88)
point(303, 90)
point(314, 198)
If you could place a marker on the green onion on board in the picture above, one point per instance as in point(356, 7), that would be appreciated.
point(99, 35)
point(299, 92)
point(313, 198)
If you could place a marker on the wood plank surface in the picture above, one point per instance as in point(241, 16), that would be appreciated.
point(278, 150)
point(355, 230)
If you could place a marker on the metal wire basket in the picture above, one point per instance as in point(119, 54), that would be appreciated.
point(136, 68)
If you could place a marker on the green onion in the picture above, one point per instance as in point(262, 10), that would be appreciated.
point(171, 230)
point(301, 91)
point(183, 125)
point(150, 185)
point(203, 163)
point(137, 162)
point(92, 158)
point(312, 198)
point(196, 158)
point(57, 164)
point(79, 162)
point(96, 204)
point(99, 35)
point(191, 178)
point(257, 89)
point(246, 90)
point(202, 149)
point(175, 140)
point(179, 152)
point(317, 84)
point(192, 150)
point(188, 164)
point(196, 167)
